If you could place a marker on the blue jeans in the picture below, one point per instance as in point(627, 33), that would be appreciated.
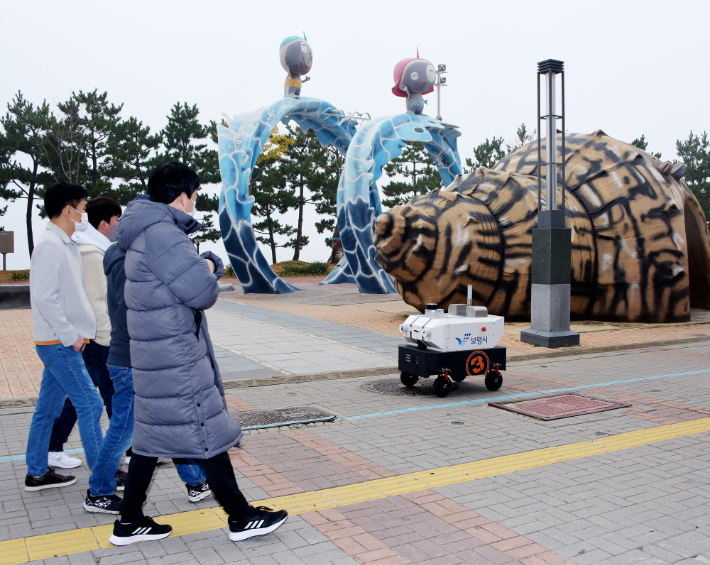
point(120, 436)
point(95, 356)
point(64, 375)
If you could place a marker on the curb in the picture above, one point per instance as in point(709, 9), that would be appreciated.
point(27, 402)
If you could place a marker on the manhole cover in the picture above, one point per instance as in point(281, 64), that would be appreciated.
point(394, 386)
point(559, 406)
point(283, 417)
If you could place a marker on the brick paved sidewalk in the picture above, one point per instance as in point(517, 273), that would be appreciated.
point(318, 330)
point(645, 504)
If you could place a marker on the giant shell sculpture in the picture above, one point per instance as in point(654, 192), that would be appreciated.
point(640, 243)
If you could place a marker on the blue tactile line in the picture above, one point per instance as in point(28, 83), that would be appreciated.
point(22, 457)
point(519, 395)
point(462, 403)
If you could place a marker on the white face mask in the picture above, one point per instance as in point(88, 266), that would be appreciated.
point(81, 226)
point(191, 212)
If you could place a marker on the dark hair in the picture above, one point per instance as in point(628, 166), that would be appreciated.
point(169, 181)
point(62, 194)
point(101, 209)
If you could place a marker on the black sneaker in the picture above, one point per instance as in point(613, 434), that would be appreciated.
point(102, 504)
point(49, 480)
point(261, 522)
point(144, 529)
point(121, 477)
point(199, 492)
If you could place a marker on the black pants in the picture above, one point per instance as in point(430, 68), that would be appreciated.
point(219, 474)
point(95, 357)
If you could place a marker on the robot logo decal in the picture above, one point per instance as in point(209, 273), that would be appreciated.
point(477, 364)
point(464, 340)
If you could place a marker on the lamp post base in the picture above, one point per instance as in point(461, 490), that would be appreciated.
point(549, 339)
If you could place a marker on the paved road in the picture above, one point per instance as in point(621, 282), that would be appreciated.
point(641, 497)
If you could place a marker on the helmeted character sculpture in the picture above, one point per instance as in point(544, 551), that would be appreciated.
point(297, 59)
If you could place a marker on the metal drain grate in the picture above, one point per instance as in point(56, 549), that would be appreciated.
point(394, 386)
point(257, 419)
point(559, 406)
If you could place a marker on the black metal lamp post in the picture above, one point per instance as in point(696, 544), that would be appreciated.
point(552, 241)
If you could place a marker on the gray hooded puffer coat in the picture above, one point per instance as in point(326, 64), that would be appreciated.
point(180, 409)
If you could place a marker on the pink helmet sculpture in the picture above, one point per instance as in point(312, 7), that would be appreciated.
point(413, 78)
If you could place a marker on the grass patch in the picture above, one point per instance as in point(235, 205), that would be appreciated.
point(307, 269)
point(301, 269)
point(17, 276)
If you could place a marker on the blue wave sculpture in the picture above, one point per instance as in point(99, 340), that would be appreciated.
point(240, 144)
point(375, 144)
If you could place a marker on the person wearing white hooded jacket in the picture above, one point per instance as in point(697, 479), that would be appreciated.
point(92, 240)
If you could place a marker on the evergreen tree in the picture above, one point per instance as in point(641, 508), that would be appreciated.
point(63, 144)
point(486, 154)
point(325, 192)
point(304, 169)
point(268, 187)
point(133, 154)
point(25, 129)
point(185, 139)
point(641, 143)
point(522, 137)
point(695, 153)
point(98, 121)
point(420, 173)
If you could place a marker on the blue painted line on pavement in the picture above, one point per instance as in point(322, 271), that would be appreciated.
point(22, 457)
point(463, 402)
point(519, 395)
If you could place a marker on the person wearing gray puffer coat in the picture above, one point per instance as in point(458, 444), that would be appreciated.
point(180, 409)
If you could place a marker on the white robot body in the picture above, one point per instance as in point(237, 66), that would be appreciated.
point(462, 328)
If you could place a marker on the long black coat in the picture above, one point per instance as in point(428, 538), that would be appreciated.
point(180, 409)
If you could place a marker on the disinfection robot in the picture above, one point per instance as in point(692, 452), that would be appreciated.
point(455, 345)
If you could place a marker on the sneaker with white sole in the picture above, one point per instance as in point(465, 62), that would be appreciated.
point(260, 522)
point(144, 529)
point(199, 492)
point(49, 480)
point(102, 504)
point(62, 460)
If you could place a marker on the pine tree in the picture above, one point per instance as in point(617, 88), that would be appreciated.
point(522, 137)
point(304, 169)
point(325, 192)
point(420, 173)
point(268, 187)
point(641, 143)
point(98, 119)
point(185, 139)
point(132, 154)
point(26, 127)
point(695, 153)
point(486, 154)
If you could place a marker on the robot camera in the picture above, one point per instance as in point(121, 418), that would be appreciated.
point(442, 68)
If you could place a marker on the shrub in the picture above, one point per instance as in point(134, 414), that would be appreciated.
point(315, 268)
point(229, 272)
point(20, 275)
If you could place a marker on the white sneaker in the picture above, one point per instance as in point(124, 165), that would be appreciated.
point(62, 460)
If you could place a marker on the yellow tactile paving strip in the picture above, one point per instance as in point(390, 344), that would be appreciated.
point(86, 539)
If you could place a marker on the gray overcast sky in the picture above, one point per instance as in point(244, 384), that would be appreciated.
point(632, 67)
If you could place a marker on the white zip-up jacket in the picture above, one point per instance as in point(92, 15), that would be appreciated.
point(92, 246)
point(60, 309)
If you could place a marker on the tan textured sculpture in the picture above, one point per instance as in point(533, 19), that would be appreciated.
point(640, 244)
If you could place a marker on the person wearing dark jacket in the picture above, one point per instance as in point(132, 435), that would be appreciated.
point(120, 431)
point(180, 410)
